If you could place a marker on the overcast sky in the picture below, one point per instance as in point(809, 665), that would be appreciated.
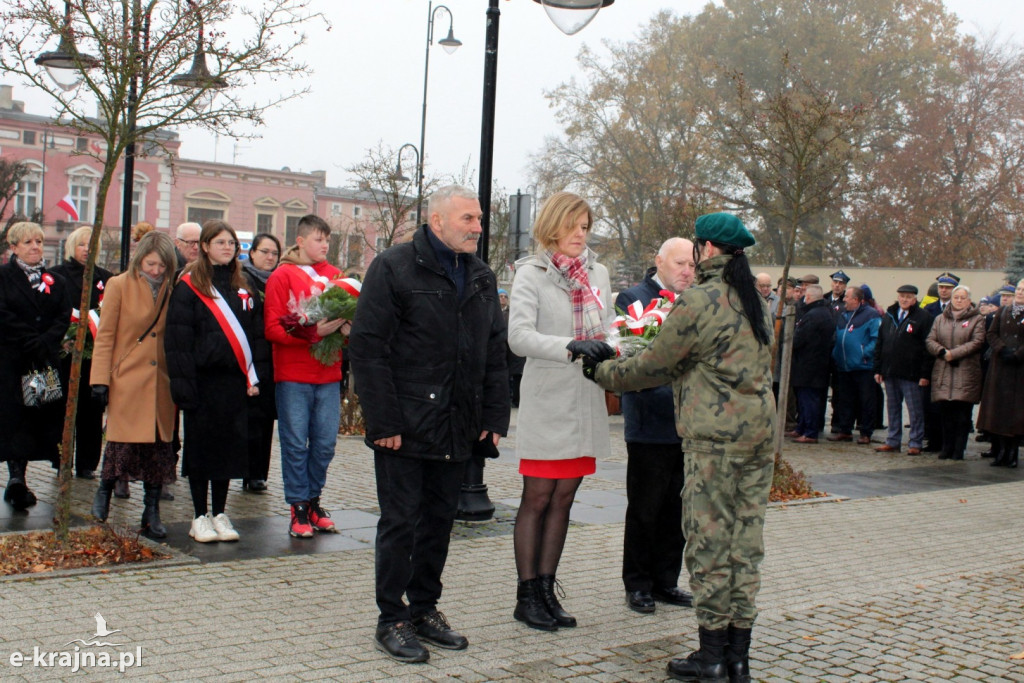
point(368, 83)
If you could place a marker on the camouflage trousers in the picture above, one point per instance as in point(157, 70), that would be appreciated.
point(724, 502)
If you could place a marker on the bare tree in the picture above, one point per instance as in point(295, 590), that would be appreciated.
point(128, 53)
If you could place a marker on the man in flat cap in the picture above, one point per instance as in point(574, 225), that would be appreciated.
point(903, 366)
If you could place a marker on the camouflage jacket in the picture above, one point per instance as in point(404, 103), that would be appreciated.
point(720, 375)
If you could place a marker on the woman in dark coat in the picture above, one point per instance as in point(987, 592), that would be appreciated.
point(1002, 403)
point(214, 340)
point(34, 314)
point(956, 340)
point(813, 338)
point(89, 415)
point(263, 259)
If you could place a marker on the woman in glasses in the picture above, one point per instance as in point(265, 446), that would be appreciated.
point(216, 359)
point(264, 255)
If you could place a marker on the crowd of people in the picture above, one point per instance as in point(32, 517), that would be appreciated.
point(194, 338)
point(940, 357)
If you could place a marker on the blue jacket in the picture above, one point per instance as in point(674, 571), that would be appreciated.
point(649, 414)
point(856, 336)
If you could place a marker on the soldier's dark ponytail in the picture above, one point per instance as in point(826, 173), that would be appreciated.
point(737, 274)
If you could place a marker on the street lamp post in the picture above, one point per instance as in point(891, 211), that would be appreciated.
point(569, 16)
point(399, 175)
point(450, 44)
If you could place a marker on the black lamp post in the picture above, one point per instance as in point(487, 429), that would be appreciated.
point(399, 175)
point(66, 67)
point(570, 16)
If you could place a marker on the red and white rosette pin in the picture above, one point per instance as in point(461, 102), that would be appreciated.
point(247, 302)
point(44, 283)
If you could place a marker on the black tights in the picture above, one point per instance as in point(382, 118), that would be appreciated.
point(219, 493)
point(541, 525)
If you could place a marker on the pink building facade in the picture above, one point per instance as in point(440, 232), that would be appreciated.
point(170, 190)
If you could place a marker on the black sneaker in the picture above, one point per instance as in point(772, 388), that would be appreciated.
point(398, 641)
point(434, 628)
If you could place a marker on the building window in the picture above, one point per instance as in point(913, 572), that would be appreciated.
point(82, 191)
point(335, 209)
point(357, 211)
point(265, 223)
point(81, 144)
point(138, 197)
point(200, 215)
point(28, 137)
point(382, 244)
point(27, 201)
point(291, 225)
point(354, 257)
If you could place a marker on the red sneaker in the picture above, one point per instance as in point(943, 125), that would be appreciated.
point(300, 526)
point(320, 518)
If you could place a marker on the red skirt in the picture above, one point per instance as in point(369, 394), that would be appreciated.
point(558, 469)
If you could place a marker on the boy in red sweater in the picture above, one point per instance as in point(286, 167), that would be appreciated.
point(308, 393)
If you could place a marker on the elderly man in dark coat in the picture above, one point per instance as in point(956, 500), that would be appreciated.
point(1002, 401)
point(903, 365)
point(812, 349)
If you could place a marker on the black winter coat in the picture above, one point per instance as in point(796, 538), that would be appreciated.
point(900, 352)
point(207, 382)
point(813, 337)
point(649, 415)
point(428, 366)
point(32, 325)
point(1002, 398)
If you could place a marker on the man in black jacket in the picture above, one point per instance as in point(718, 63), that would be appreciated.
point(428, 358)
point(653, 542)
point(904, 365)
point(812, 350)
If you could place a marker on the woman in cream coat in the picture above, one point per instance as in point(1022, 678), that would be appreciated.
point(129, 375)
point(559, 310)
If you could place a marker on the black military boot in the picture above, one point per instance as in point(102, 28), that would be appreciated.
point(1011, 450)
point(152, 527)
point(530, 607)
point(706, 665)
point(548, 584)
point(999, 451)
point(17, 492)
point(737, 655)
point(101, 501)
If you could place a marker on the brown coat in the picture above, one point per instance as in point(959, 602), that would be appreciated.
point(963, 334)
point(140, 390)
point(1002, 405)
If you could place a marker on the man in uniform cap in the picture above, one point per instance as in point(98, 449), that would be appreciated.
point(903, 366)
point(835, 301)
point(1006, 293)
point(945, 283)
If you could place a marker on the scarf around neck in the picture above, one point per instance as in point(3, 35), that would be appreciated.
point(586, 308)
point(34, 273)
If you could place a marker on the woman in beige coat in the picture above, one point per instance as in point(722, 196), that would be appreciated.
point(129, 375)
point(956, 340)
point(559, 310)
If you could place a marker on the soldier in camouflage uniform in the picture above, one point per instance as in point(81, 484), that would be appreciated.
point(715, 349)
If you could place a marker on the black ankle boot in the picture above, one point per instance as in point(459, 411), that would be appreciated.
point(999, 451)
point(737, 655)
point(17, 492)
point(101, 501)
point(1011, 451)
point(152, 527)
point(706, 665)
point(530, 607)
point(554, 608)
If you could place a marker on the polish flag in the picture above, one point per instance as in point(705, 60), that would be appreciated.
point(68, 204)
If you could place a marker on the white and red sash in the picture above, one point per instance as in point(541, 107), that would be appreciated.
point(94, 319)
point(322, 284)
point(231, 328)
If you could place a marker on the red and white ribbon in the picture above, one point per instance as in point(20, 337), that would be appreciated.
point(320, 283)
point(247, 303)
point(231, 328)
point(638, 317)
point(94, 319)
point(44, 283)
point(350, 285)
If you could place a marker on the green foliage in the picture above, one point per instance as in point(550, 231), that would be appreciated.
point(1015, 262)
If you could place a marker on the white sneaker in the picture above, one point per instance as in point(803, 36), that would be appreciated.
point(202, 530)
point(222, 525)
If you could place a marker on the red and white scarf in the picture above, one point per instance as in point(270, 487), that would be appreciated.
point(586, 300)
point(231, 328)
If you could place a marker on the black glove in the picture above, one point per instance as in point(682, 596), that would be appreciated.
point(592, 348)
point(485, 448)
point(590, 368)
point(101, 394)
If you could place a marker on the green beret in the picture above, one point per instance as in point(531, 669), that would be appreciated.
point(724, 228)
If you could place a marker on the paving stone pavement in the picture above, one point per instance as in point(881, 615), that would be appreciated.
point(925, 585)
